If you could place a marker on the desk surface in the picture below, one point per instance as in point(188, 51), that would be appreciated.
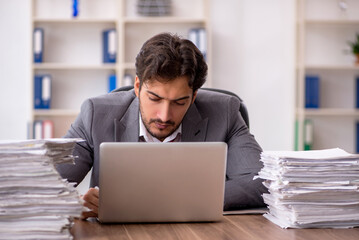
point(232, 227)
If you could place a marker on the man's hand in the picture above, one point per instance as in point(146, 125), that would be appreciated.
point(91, 201)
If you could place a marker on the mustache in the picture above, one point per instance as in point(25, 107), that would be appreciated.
point(169, 122)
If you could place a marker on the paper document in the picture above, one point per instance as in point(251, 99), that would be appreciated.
point(311, 189)
point(35, 203)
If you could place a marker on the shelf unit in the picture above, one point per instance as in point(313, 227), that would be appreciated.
point(323, 30)
point(73, 47)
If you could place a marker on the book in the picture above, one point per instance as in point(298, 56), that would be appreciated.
point(296, 135)
point(109, 46)
point(128, 80)
point(42, 129)
point(37, 91)
point(38, 44)
point(75, 8)
point(154, 7)
point(38, 130)
point(42, 91)
point(357, 92)
point(312, 87)
point(112, 82)
point(357, 137)
point(308, 134)
point(202, 42)
point(47, 129)
point(199, 37)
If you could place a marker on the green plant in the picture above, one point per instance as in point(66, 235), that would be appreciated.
point(355, 45)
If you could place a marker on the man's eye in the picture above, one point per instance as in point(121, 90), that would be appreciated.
point(154, 99)
point(180, 103)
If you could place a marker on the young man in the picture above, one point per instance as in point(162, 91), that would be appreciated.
point(166, 106)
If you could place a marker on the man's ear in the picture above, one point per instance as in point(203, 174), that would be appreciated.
point(194, 97)
point(137, 86)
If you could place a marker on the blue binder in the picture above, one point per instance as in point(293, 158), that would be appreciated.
point(199, 37)
point(202, 42)
point(75, 8)
point(109, 46)
point(38, 129)
point(42, 91)
point(193, 36)
point(312, 91)
point(357, 92)
point(37, 92)
point(112, 82)
point(38, 44)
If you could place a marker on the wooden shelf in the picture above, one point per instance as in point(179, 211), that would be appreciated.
point(69, 66)
point(74, 20)
point(73, 48)
point(56, 112)
point(329, 112)
point(332, 21)
point(331, 67)
point(163, 20)
point(323, 32)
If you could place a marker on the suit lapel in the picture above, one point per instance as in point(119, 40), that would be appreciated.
point(127, 128)
point(194, 128)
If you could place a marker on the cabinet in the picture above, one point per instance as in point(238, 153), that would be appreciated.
point(72, 52)
point(324, 28)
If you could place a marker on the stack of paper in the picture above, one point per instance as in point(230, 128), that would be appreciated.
point(312, 189)
point(35, 202)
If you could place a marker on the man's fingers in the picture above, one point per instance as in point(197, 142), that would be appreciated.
point(86, 215)
point(92, 196)
point(92, 207)
point(91, 201)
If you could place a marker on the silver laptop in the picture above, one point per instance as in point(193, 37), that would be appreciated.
point(162, 182)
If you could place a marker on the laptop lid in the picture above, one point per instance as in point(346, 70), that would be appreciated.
point(162, 182)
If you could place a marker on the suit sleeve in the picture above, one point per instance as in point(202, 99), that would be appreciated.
point(243, 163)
point(81, 128)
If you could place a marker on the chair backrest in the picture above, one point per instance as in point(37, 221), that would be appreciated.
point(242, 108)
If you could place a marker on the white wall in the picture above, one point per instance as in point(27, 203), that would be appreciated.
point(15, 57)
point(253, 55)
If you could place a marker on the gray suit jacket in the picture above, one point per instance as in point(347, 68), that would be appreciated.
point(212, 117)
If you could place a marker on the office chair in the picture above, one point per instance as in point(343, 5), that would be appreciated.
point(242, 108)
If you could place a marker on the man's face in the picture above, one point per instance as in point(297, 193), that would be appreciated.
point(163, 105)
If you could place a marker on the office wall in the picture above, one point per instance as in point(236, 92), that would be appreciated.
point(15, 32)
point(253, 55)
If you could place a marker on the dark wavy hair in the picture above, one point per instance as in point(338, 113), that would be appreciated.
point(166, 56)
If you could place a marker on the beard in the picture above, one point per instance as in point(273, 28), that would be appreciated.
point(151, 126)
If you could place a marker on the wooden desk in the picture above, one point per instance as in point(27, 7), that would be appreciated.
point(247, 227)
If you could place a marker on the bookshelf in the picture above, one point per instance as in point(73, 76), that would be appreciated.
point(323, 32)
point(73, 48)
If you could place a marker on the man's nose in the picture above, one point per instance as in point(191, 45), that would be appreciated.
point(164, 113)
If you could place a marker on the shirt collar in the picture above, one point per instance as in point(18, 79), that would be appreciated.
point(149, 138)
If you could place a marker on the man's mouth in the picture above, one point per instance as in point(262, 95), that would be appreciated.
point(162, 126)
